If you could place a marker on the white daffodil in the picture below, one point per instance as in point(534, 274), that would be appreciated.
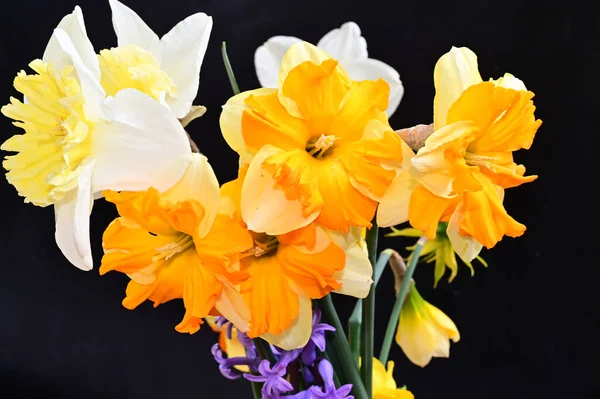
point(167, 69)
point(79, 142)
point(344, 44)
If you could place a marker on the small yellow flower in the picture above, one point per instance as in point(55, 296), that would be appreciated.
point(439, 250)
point(384, 385)
point(424, 331)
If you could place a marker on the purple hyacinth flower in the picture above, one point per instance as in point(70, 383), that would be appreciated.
point(222, 321)
point(317, 339)
point(274, 378)
point(329, 390)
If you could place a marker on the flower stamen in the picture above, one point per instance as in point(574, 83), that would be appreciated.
point(320, 146)
point(166, 252)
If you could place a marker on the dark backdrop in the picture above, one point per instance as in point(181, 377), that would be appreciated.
point(528, 322)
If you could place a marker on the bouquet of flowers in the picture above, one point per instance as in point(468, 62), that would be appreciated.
point(260, 258)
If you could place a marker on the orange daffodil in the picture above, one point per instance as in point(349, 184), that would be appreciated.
point(177, 244)
point(460, 174)
point(80, 140)
point(319, 146)
point(287, 270)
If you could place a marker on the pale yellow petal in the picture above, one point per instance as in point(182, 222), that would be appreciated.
point(232, 306)
point(393, 208)
point(356, 277)
point(266, 208)
point(231, 121)
point(454, 72)
point(509, 81)
point(466, 247)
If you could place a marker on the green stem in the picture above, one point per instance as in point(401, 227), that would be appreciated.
point(230, 74)
point(256, 390)
point(355, 320)
point(263, 350)
point(342, 349)
point(395, 316)
point(368, 317)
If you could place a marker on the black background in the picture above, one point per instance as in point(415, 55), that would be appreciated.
point(528, 323)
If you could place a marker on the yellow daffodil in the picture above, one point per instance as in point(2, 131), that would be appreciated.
point(424, 331)
point(177, 245)
point(345, 44)
point(319, 146)
point(167, 69)
point(288, 270)
point(460, 174)
point(438, 250)
point(384, 385)
point(79, 142)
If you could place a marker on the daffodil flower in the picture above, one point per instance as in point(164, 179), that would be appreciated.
point(424, 331)
point(320, 147)
point(167, 68)
point(384, 385)
point(287, 270)
point(78, 142)
point(176, 244)
point(460, 174)
point(346, 45)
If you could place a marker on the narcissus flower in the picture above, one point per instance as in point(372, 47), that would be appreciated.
point(438, 250)
point(78, 143)
point(384, 385)
point(288, 270)
point(319, 147)
point(346, 45)
point(176, 245)
point(460, 174)
point(167, 69)
point(424, 331)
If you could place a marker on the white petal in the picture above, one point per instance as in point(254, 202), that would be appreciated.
point(454, 72)
point(265, 208)
point(183, 52)
point(370, 69)
point(141, 145)
point(232, 306)
point(88, 78)
point(345, 44)
point(299, 332)
point(131, 29)
point(356, 277)
point(74, 26)
point(466, 247)
point(72, 216)
point(198, 183)
point(393, 208)
point(268, 57)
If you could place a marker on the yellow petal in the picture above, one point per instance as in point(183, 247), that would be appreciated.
point(510, 82)
point(466, 247)
point(454, 72)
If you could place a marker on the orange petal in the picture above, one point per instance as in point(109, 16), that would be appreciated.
point(485, 218)
point(129, 247)
point(266, 121)
point(364, 158)
point(273, 304)
point(366, 101)
point(427, 210)
point(312, 272)
point(505, 117)
point(317, 89)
